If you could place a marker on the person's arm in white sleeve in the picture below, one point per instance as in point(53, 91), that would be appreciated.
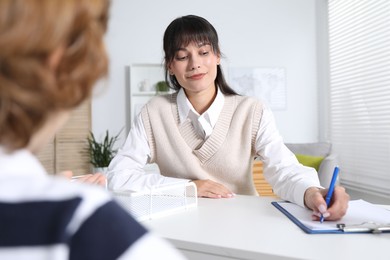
point(126, 170)
point(288, 178)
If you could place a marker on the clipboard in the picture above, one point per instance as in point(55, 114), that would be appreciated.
point(361, 217)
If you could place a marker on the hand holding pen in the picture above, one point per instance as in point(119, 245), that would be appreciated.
point(336, 205)
point(96, 178)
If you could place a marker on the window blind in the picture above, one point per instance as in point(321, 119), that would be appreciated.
point(359, 49)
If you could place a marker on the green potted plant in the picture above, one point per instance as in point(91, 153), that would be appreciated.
point(162, 86)
point(101, 152)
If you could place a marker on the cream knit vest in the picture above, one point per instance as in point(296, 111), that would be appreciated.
point(225, 157)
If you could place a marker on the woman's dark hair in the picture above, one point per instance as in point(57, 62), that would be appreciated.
point(181, 32)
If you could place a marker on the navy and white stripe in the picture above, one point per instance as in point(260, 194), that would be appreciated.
point(45, 217)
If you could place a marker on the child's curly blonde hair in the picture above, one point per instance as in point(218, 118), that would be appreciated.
point(31, 31)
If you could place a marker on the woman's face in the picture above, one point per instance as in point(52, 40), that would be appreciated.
point(195, 67)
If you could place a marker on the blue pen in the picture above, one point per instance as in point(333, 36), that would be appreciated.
point(331, 189)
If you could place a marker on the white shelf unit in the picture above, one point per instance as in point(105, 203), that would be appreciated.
point(141, 82)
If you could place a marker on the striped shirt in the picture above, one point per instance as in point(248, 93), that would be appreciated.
point(47, 217)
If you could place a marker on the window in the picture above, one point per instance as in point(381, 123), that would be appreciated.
point(359, 49)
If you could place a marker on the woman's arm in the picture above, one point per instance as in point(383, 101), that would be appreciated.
point(291, 180)
point(126, 170)
point(287, 176)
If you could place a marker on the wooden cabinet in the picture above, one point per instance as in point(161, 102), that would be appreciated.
point(262, 186)
point(68, 149)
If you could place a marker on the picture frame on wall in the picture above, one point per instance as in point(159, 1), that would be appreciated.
point(265, 83)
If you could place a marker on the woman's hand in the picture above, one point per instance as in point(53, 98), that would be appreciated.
point(96, 178)
point(315, 200)
point(212, 189)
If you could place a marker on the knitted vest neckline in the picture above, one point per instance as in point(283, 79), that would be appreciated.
point(204, 149)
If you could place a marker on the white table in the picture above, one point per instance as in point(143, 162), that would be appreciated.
point(249, 227)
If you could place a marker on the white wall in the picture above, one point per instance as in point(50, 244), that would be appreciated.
point(258, 33)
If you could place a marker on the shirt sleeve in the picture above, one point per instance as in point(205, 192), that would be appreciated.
point(127, 169)
point(111, 233)
point(287, 176)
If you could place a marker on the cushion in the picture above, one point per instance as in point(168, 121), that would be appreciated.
point(309, 160)
point(316, 149)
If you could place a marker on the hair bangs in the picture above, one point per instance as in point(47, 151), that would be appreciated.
point(186, 30)
point(188, 36)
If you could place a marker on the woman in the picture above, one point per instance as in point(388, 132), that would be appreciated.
point(208, 134)
point(51, 54)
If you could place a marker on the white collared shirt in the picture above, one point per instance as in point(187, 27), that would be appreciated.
point(126, 170)
point(20, 163)
point(203, 124)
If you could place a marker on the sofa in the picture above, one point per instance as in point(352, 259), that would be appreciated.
point(319, 151)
